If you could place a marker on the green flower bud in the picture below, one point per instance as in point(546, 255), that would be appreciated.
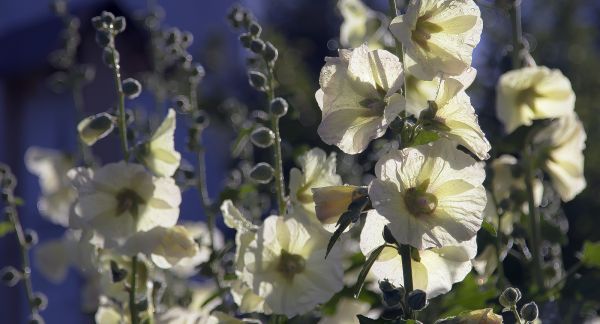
point(509, 297)
point(110, 57)
point(31, 238)
point(387, 236)
point(36, 319)
point(97, 23)
point(257, 45)
point(279, 107)
point(187, 39)
point(182, 104)
point(270, 53)
point(10, 276)
point(8, 181)
point(119, 24)
point(197, 73)
point(262, 137)
point(95, 127)
point(172, 36)
point(103, 38)
point(132, 88)
point(108, 18)
point(257, 80)
point(118, 274)
point(6, 196)
point(262, 173)
point(201, 120)
point(530, 312)
point(417, 299)
point(246, 40)
point(392, 296)
point(254, 28)
point(40, 301)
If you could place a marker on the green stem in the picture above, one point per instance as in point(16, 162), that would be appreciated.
point(132, 306)
point(534, 220)
point(84, 150)
point(122, 122)
point(518, 319)
point(499, 247)
point(517, 34)
point(277, 159)
point(405, 253)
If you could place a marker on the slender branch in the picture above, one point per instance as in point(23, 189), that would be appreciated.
point(499, 246)
point(405, 253)
point(518, 319)
point(84, 150)
point(277, 158)
point(534, 219)
point(132, 287)
point(517, 34)
point(122, 122)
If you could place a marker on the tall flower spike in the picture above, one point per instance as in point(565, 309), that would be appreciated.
point(434, 270)
point(439, 36)
point(159, 154)
point(432, 195)
point(359, 97)
point(454, 118)
point(562, 144)
point(532, 93)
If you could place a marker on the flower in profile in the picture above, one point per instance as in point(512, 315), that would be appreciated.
point(434, 270)
point(532, 93)
point(158, 154)
point(432, 194)
point(361, 25)
point(439, 35)
point(95, 128)
point(121, 199)
point(562, 144)
point(286, 266)
point(480, 316)
point(51, 166)
point(453, 117)
point(187, 267)
point(359, 97)
point(317, 170)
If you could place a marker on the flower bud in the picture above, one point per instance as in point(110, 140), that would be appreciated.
point(392, 296)
point(257, 80)
point(97, 23)
point(187, 39)
point(270, 53)
point(110, 57)
point(103, 38)
point(132, 88)
point(31, 238)
point(6, 196)
point(36, 319)
point(119, 24)
point(254, 28)
point(417, 299)
point(201, 119)
point(118, 274)
point(197, 73)
point(509, 297)
point(279, 107)
point(40, 301)
point(262, 137)
point(172, 36)
point(530, 312)
point(257, 45)
point(262, 173)
point(8, 181)
point(107, 18)
point(59, 7)
point(182, 104)
point(387, 236)
point(10, 276)
point(96, 127)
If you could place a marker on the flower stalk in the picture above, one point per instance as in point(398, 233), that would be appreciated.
point(133, 283)
point(277, 157)
point(405, 253)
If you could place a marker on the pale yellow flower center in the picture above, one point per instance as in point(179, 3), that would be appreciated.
point(290, 264)
point(423, 30)
point(420, 202)
point(128, 201)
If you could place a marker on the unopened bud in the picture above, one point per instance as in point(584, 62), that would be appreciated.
point(257, 45)
point(262, 137)
point(530, 312)
point(132, 88)
point(108, 18)
point(36, 319)
point(59, 7)
point(197, 73)
point(103, 38)
point(392, 295)
point(257, 80)
point(262, 173)
point(40, 301)
point(201, 119)
point(31, 238)
point(254, 28)
point(119, 24)
point(246, 39)
point(509, 297)
point(97, 23)
point(187, 39)
point(279, 107)
point(270, 53)
point(110, 57)
point(182, 104)
point(96, 127)
point(417, 299)
point(387, 236)
point(10, 276)
point(118, 274)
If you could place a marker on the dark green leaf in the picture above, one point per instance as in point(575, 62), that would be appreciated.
point(490, 228)
point(591, 254)
point(347, 218)
point(424, 137)
point(365, 270)
point(6, 227)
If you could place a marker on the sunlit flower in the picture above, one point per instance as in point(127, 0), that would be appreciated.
point(346, 310)
point(180, 315)
point(109, 313)
point(359, 97)
point(453, 117)
point(432, 195)
point(121, 199)
point(439, 35)
point(159, 154)
point(317, 170)
point(187, 267)
point(434, 270)
point(562, 144)
point(51, 166)
point(480, 316)
point(164, 246)
point(286, 266)
point(332, 201)
point(361, 25)
point(532, 93)
point(94, 128)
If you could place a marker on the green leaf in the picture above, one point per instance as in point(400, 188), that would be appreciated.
point(591, 254)
point(360, 282)
point(490, 228)
point(424, 137)
point(347, 218)
point(6, 227)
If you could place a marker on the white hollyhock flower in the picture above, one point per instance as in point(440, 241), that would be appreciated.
point(159, 154)
point(439, 35)
point(562, 143)
point(332, 201)
point(108, 313)
point(318, 170)
point(454, 118)
point(359, 97)
point(51, 166)
point(120, 199)
point(165, 246)
point(286, 266)
point(532, 93)
point(180, 315)
point(434, 272)
point(345, 312)
point(186, 267)
point(432, 195)
point(361, 25)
